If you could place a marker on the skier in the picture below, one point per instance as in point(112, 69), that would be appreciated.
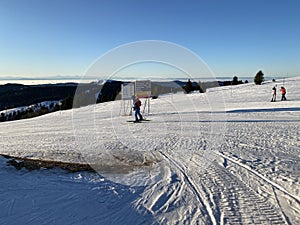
point(283, 92)
point(137, 106)
point(274, 94)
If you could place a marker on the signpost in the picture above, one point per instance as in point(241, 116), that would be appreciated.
point(128, 93)
point(140, 89)
point(143, 90)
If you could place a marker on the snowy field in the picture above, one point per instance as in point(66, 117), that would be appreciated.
point(229, 156)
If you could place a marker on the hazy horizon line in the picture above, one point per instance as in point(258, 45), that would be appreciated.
point(78, 77)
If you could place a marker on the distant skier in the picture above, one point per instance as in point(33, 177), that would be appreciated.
point(283, 92)
point(274, 94)
point(137, 106)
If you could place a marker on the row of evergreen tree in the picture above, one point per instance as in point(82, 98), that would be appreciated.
point(201, 87)
point(29, 112)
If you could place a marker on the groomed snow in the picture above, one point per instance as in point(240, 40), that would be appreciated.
point(229, 156)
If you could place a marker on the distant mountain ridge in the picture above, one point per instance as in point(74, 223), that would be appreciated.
point(16, 95)
point(58, 77)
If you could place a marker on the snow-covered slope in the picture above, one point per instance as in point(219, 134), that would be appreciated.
point(12, 114)
point(223, 157)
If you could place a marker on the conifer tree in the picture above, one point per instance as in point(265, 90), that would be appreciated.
point(235, 80)
point(259, 78)
point(188, 87)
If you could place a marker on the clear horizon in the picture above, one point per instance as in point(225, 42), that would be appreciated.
point(64, 37)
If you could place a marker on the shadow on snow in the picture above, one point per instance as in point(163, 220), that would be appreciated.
point(293, 109)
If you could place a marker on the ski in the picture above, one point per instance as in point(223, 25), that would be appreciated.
point(140, 121)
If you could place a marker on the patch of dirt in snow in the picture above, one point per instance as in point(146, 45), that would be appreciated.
point(36, 164)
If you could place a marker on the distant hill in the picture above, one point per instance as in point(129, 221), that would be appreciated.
point(16, 95)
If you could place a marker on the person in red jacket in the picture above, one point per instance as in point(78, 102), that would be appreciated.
point(283, 92)
point(136, 106)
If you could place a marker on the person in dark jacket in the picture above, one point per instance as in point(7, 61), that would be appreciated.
point(273, 94)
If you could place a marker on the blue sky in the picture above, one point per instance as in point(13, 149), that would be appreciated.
point(41, 38)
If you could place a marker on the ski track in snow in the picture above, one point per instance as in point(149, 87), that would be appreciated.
point(236, 163)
